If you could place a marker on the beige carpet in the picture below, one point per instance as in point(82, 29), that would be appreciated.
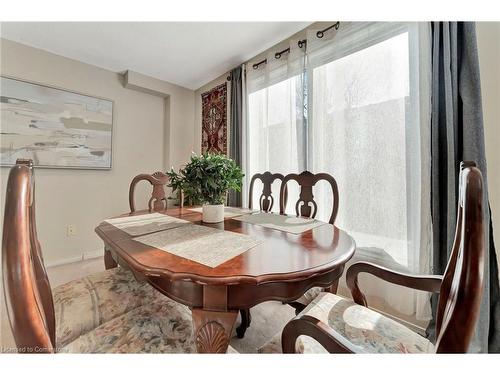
point(267, 318)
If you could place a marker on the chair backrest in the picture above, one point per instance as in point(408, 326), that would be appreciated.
point(462, 286)
point(266, 199)
point(27, 291)
point(306, 205)
point(158, 200)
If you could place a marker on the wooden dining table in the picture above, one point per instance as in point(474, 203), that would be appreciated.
point(282, 266)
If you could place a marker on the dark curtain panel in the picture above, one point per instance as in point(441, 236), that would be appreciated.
point(457, 134)
point(235, 124)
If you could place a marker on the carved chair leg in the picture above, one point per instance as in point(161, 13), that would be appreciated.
point(213, 330)
point(246, 319)
point(297, 306)
point(109, 262)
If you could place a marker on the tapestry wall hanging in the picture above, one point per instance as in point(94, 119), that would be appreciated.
point(214, 120)
point(56, 128)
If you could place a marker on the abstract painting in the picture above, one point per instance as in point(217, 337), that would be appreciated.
point(55, 128)
point(214, 120)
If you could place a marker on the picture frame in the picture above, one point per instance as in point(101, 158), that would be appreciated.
point(55, 127)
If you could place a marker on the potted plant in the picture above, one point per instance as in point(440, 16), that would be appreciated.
point(205, 180)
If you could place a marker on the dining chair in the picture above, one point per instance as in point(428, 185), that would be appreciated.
point(108, 311)
point(266, 204)
point(266, 199)
point(158, 200)
point(337, 325)
point(306, 206)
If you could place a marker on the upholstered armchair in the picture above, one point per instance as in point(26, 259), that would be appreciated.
point(106, 312)
point(333, 324)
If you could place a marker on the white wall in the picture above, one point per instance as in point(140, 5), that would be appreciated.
point(148, 135)
point(179, 120)
point(488, 40)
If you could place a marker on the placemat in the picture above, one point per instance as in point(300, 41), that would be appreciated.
point(144, 224)
point(290, 224)
point(229, 211)
point(201, 244)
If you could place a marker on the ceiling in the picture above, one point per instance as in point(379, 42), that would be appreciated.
point(189, 54)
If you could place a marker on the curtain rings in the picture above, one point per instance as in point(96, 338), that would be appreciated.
point(277, 55)
point(320, 34)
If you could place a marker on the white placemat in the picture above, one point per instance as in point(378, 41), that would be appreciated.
point(290, 224)
point(144, 224)
point(201, 244)
point(228, 211)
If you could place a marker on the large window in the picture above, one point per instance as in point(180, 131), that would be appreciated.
point(360, 109)
point(365, 94)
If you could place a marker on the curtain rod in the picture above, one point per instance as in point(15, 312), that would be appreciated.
point(301, 43)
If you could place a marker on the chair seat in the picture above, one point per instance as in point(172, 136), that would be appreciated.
point(84, 304)
point(357, 327)
point(163, 326)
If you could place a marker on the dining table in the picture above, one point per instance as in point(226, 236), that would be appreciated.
point(218, 269)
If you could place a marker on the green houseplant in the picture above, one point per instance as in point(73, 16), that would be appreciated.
point(205, 180)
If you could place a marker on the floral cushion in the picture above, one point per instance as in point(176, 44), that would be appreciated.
point(82, 305)
point(163, 326)
point(309, 296)
point(355, 326)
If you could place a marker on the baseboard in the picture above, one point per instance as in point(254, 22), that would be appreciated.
point(93, 254)
point(85, 256)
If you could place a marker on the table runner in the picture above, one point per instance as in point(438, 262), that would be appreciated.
point(290, 224)
point(148, 223)
point(201, 244)
point(229, 212)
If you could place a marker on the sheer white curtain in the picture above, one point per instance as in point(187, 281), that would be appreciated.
point(355, 105)
point(369, 127)
point(275, 116)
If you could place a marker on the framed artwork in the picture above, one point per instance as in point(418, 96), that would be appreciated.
point(214, 120)
point(56, 128)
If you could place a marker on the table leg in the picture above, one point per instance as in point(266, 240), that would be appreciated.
point(246, 319)
point(213, 330)
point(109, 262)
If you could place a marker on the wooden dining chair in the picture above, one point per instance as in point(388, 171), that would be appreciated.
point(306, 206)
point(266, 199)
point(337, 325)
point(266, 204)
point(158, 200)
point(104, 312)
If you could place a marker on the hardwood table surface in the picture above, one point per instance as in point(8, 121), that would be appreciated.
point(280, 255)
point(281, 267)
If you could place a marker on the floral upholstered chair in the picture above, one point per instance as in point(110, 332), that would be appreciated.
point(107, 312)
point(332, 324)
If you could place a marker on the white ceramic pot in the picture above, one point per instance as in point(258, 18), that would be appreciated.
point(213, 213)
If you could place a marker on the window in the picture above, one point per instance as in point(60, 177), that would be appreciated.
point(368, 125)
point(275, 131)
point(360, 104)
